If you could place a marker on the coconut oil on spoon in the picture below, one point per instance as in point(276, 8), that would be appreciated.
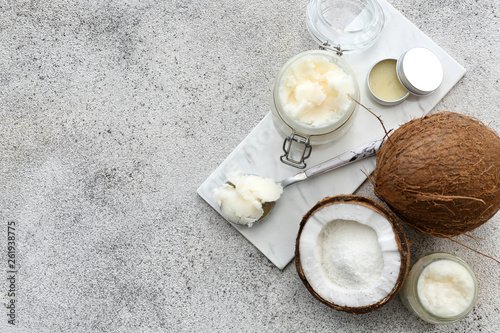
point(252, 201)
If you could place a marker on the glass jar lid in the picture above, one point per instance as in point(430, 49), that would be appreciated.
point(345, 25)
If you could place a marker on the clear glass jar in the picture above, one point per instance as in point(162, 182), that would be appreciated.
point(318, 135)
point(412, 299)
point(301, 134)
point(345, 25)
point(383, 80)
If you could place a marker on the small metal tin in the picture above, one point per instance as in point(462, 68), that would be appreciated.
point(377, 98)
point(419, 71)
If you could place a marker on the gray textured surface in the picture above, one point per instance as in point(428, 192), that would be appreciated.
point(113, 113)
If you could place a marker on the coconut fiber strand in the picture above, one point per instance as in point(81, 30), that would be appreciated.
point(441, 173)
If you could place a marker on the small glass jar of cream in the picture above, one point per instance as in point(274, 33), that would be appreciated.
point(418, 71)
point(440, 288)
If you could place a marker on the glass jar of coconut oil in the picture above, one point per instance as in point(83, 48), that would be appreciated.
point(441, 288)
point(315, 94)
point(312, 97)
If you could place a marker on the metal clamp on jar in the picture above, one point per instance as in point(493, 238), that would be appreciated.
point(315, 94)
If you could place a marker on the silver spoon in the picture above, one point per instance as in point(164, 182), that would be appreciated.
point(348, 157)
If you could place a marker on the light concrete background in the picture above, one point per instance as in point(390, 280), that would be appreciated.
point(112, 113)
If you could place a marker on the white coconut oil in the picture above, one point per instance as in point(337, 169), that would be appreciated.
point(440, 288)
point(445, 288)
point(242, 198)
point(315, 92)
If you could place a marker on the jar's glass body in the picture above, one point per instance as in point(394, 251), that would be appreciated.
point(287, 125)
point(345, 25)
point(409, 294)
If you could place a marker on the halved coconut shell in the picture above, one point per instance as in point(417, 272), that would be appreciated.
point(396, 260)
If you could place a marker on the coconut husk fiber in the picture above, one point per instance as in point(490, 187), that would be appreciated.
point(440, 173)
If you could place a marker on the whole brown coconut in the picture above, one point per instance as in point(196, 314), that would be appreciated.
point(441, 173)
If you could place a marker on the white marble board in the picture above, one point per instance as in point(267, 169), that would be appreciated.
point(259, 153)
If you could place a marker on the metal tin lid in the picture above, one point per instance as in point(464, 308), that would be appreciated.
point(420, 71)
